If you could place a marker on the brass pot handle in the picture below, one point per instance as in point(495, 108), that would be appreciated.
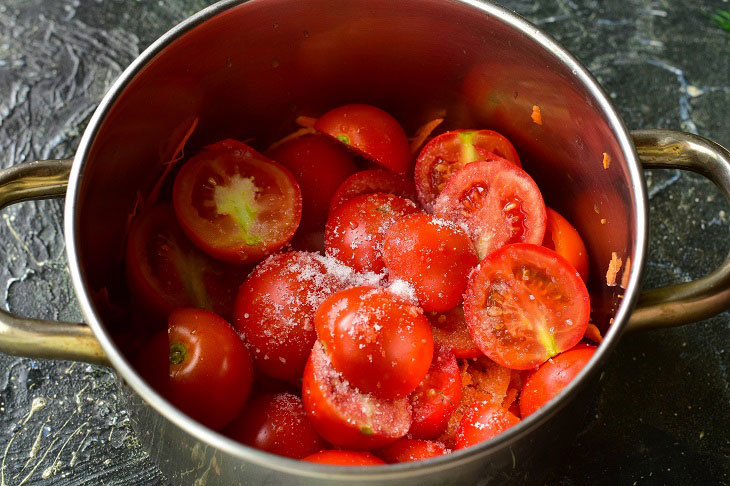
point(692, 301)
point(37, 338)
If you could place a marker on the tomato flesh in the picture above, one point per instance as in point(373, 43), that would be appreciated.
point(496, 202)
point(345, 417)
point(435, 257)
point(356, 230)
point(436, 397)
point(380, 343)
point(320, 166)
point(370, 181)
point(235, 204)
point(276, 423)
point(344, 458)
point(275, 310)
point(165, 271)
point(369, 131)
point(483, 422)
point(524, 305)
point(210, 369)
point(451, 332)
point(446, 154)
point(562, 237)
point(543, 384)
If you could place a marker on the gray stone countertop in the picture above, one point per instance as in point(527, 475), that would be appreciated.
point(662, 415)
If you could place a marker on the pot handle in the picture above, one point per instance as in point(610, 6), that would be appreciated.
point(703, 298)
point(37, 338)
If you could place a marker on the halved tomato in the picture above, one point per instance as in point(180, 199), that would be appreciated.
point(371, 132)
point(370, 181)
point(236, 204)
point(446, 154)
point(562, 237)
point(344, 416)
point(496, 202)
point(524, 305)
point(165, 271)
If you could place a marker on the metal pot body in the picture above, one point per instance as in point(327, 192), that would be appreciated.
point(247, 69)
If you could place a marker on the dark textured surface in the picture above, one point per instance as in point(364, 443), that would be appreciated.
point(663, 413)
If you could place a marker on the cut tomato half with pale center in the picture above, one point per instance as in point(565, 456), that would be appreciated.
point(236, 204)
point(524, 305)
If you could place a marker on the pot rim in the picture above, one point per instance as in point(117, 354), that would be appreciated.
point(124, 369)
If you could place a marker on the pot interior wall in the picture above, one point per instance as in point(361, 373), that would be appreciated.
point(248, 72)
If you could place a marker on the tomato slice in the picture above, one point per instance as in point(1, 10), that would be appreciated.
point(275, 310)
point(450, 331)
point(436, 397)
point(276, 423)
point(411, 450)
point(552, 377)
point(562, 237)
point(165, 271)
point(524, 305)
point(371, 132)
point(496, 202)
point(320, 166)
point(482, 422)
point(370, 181)
point(444, 155)
point(433, 256)
point(236, 204)
point(345, 417)
point(338, 457)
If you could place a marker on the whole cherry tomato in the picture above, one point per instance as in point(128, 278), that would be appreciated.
point(411, 450)
point(344, 458)
point(561, 237)
point(371, 132)
point(380, 343)
point(236, 204)
point(210, 368)
point(320, 166)
point(524, 305)
point(482, 422)
point(543, 384)
point(370, 181)
point(276, 423)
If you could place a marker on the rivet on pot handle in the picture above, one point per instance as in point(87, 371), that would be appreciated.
point(692, 301)
point(36, 338)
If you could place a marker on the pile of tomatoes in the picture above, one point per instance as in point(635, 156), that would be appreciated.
point(351, 299)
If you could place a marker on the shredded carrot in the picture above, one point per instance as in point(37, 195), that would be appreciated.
point(606, 160)
point(423, 133)
point(536, 114)
point(306, 121)
point(291, 136)
point(626, 274)
point(613, 268)
point(593, 333)
point(178, 154)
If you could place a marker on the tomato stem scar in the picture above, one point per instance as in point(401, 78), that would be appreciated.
point(178, 352)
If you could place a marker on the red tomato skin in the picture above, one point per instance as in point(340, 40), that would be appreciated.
point(275, 308)
point(380, 343)
point(220, 235)
point(212, 380)
point(333, 406)
point(369, 131)
point(370, 181)
point(433, 256)
point(543, 384)
point(320, 166)
point(355, 231)
point(436, 397)
point(509, 285)
point(344, 458)
point(153, 363)
point(451, 332)
point(565, 240)
point(445, 154)
point(411, 450)
point(276, 423)
point(157, 248)
point(483, 422)
point(496, 202)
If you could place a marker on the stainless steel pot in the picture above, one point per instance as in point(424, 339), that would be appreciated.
point(247, 69)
